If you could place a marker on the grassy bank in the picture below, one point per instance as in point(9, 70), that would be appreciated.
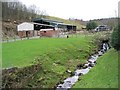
point(103, 75)
point(55, 55)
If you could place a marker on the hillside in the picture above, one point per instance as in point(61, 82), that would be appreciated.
point(111, 22)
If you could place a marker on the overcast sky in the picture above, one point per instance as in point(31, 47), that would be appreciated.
point(80, 9)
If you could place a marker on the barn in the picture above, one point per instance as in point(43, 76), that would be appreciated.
point(57, 24)
point(30, 29)
point(43, 27)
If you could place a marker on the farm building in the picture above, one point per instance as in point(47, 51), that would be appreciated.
point(43, 27)
point(29, 29)
point(57, 24)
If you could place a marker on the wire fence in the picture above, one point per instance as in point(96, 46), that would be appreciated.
point(6, 40)
point(69, 35)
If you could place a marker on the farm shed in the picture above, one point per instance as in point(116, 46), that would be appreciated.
point(29, 29)
point(45, 21)
point(57, 24)
point(71, 27)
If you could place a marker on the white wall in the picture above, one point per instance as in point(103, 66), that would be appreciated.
point(25, 26)
point(45, 29)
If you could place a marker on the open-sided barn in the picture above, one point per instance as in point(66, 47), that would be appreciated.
point(57, 24)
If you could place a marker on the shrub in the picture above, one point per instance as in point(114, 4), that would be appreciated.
point(91, 25)
point(115, 37)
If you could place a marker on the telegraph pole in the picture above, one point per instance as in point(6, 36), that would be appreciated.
point(115, 14)
point(119, 9)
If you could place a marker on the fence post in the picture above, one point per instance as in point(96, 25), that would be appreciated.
point(7, 39)
point(14, 38)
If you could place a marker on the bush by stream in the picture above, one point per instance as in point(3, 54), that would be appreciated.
point(115, 38)
point(18, 77)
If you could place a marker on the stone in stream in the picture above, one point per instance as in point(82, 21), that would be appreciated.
point(71, 80)
point(92, 60)
point(80, 66)
point(100, 53)
point(72, 74)
point(82, 71)
point(94, 57)
point(60, 86)
point(105, 47)
point(85, 66)
point(68, 83)
point(91, 64)
point(68, 71)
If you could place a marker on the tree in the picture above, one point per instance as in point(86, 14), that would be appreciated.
point(91, 25)
point(18, 11)
point(115, 37)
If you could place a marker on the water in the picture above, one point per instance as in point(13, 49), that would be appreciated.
point(78, 72)
point(91, 62)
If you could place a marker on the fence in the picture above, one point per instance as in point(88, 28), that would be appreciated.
point(5, 40)
point(77, 34)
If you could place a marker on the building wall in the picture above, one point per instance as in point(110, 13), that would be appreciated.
point(25, 27)
point(36, 33)
point(48, 33)
point(23, 34)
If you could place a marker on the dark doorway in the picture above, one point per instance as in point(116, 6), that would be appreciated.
point(27, 33)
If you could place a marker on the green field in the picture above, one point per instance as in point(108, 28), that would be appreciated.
point(23, 53)
point(103, 75)
point(56, 55)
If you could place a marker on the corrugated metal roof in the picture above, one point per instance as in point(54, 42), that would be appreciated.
point(50, 21)
point(39, 24)
point(46, 20)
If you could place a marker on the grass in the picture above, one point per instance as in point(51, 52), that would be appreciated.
point(103, 75)
point(23, 53)
point(55, 55)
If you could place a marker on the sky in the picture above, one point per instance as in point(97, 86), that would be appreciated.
point(78, 9)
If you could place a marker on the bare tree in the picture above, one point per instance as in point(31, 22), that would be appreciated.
point(18, 11)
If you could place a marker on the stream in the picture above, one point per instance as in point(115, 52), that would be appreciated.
point(91, 62)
